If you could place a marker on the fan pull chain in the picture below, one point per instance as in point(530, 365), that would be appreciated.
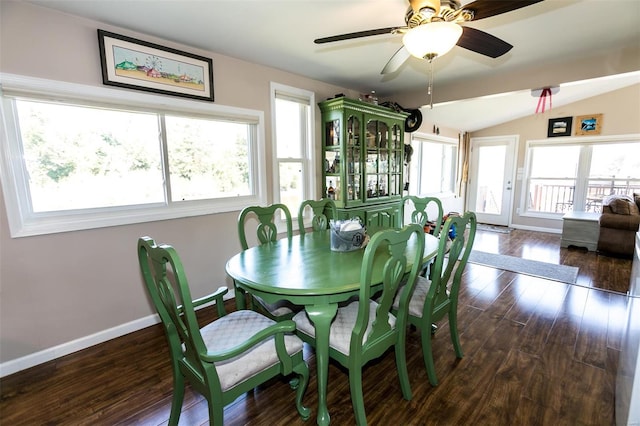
point(430, 88)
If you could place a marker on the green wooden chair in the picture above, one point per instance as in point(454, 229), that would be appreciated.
point(225, 358)
point(266, 232)
point(419, 213)
point(323, 210)
point(436, 297)
point(266, 229)
point(364, 331)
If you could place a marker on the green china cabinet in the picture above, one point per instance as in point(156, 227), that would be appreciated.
point(362, 154)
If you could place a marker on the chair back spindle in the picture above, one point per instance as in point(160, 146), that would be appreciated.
point(421, 206)
point(322, 211)
point(266, 230)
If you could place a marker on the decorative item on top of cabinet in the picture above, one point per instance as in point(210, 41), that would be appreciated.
point(363, 159)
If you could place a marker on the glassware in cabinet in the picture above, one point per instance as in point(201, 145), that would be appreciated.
point(332, 133)
point(332, 188)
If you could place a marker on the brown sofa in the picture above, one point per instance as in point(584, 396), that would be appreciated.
point(619, 223)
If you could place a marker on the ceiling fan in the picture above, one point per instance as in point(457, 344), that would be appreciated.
point(433, 28)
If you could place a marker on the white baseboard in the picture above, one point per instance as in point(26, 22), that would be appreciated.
point(49, 354)
point(537, 229)
point(31, 360)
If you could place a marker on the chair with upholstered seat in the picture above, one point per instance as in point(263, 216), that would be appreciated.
point(266, 232)
point(420, 208)
point(225, 358)
point(321, 210)
point(363, 331)
point(436, 297)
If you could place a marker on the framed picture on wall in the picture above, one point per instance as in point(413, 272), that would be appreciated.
point(588, 124)
point(559, 127)
point(136, 64)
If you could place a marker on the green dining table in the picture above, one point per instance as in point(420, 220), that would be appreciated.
point(305, 271)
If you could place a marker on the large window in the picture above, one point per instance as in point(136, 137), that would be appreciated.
point(433, 165)
point(552, 177)
point(294, 166)
point(104, 158)
point(577, 173)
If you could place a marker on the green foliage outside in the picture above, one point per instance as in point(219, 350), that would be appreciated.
point(83, 157)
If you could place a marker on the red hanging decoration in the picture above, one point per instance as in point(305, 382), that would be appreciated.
point(542, 100)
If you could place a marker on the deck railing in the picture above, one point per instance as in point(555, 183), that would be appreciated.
point(557, 196)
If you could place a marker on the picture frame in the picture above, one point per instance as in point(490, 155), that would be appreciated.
point(587, 125)
point(559, 127)
point(136, 64)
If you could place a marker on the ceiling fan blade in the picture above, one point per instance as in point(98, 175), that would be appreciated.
point(487, 8)
point(483, 43)
point(357, 34)
point(396, 61)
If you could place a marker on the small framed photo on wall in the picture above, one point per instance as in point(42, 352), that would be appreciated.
point(559, 127)
point(588, 124)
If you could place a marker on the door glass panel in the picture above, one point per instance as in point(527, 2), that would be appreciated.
point(353, 189)
point(353, 131)
point(332, 137)
point(491, 162)
point(394, 186)
point(395, 137)
point(383, 135)
point(491, 179)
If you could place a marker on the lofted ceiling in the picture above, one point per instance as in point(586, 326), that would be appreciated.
point(280, 34)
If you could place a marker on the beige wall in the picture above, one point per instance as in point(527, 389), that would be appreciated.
point(61, 287)
point(621, 116)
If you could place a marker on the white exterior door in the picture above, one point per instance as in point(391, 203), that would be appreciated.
point(491, 178)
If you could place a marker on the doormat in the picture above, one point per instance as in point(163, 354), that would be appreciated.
point(494, 228)
point(550, 271)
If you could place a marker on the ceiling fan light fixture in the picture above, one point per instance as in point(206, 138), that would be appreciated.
point(431, 40)
point(428, 6)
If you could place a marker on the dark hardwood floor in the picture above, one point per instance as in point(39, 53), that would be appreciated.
point(596, 271)
point(537, 352)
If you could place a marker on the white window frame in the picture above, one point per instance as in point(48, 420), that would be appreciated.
point(582, 174)
point(24, 222)
point(416, 166)
point(307, 148)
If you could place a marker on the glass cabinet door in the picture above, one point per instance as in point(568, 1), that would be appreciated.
point(353, 153)
point(377, 159)
point(332, 163)
point(396, 148)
